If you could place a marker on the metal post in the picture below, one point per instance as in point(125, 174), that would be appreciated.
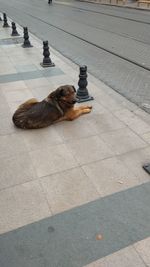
point(5, 25)
point(82, 92)
point(14, 31)
point(46, 60)
point(26, 38)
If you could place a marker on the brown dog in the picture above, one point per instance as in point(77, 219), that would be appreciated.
point(57, 106)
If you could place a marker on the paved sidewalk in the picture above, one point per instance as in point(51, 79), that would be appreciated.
point(73, 194)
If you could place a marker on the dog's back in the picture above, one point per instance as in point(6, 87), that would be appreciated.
point(35, 115)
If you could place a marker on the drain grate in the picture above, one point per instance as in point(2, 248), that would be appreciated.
point(9, 41)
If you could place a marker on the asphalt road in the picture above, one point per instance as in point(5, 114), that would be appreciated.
point(113, 42)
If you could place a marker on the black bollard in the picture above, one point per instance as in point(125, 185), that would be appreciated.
point(26, 38)
point(5, 25)
point(14, 31)
point(82, 94)
point(0, 18)
point(49, 1)
point(46, 60)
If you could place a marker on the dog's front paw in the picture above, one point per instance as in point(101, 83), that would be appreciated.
point(87, 110)
point(85, 107)
point(90, 107)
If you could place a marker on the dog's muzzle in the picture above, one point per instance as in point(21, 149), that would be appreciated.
point(74, 101)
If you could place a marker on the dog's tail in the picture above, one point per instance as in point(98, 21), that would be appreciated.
point(28, 103)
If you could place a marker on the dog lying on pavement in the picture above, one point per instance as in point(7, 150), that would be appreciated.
point(57, 106)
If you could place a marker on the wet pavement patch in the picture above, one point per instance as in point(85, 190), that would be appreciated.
point(69, 239)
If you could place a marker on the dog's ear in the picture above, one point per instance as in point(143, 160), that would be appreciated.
point(53, 94)
point(57, 93)
point(74, 88)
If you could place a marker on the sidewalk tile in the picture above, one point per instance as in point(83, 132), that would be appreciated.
point(123, 140)
point(64, 79)
point(124, 258)
point(72, 130)
point(143, 249)
point(52, 159)
point(22, 205)
point(142, 115)
point(97, 109)
point(17, 85)
point(41, 138)
point(15, 170)
point(133, 121)
point(68, 189)
point(134, 161)
point(107, 101)
point(6, 125)
point(4, 108)
point(89, 149)
point(11, 145)
point(13, 95)
point(146, 137)
point(106, 122)
point(37, 82)
point(110, 176)
point(41, 92)
point(25, 67)
point(7, 68)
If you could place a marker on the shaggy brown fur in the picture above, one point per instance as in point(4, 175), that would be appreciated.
point(57, 106)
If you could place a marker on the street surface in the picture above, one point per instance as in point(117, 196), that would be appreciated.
point(113, 42)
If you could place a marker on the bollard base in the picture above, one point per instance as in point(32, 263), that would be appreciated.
point(88, 98)
point(15, 34)
point(6, 26)
point(46, 65)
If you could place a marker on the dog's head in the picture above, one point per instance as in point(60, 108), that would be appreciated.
point(65, 94)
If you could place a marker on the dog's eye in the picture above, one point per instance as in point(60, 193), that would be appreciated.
point(62, 92)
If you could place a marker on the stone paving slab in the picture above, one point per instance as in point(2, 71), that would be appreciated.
point(125, 257)
point(21, 205)
point(143, 248)
point(115, 176)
